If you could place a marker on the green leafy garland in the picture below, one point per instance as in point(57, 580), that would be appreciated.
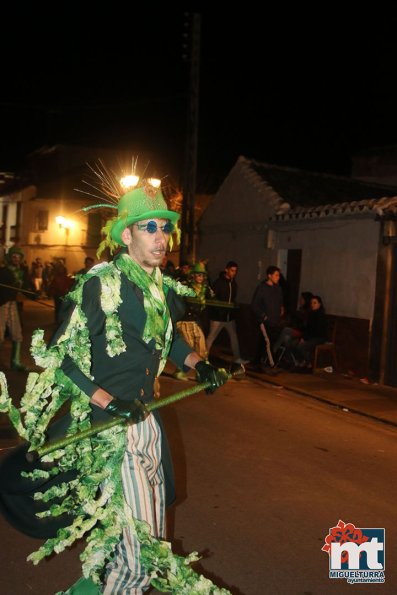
point(95, 497)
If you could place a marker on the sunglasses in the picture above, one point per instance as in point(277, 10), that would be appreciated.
point(152, 227)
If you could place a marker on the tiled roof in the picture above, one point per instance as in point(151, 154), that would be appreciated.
point(308, 195)
point(385, 207)
point(300, 188)
point(359, 207)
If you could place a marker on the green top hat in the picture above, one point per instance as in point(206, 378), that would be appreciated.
point(199, 267)
point(136, 205)
point(15, 250)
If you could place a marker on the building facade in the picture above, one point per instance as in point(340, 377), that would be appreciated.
point(328, 234)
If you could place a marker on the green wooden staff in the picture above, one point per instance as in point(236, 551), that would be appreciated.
point(63, 442)
point(217, 303)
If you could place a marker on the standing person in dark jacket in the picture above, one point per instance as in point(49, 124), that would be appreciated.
point(267, 306)
point(225, 288)
point(110, 351)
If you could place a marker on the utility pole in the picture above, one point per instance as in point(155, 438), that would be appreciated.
point(190, 174)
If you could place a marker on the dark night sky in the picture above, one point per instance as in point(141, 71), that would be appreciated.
point(304, 89)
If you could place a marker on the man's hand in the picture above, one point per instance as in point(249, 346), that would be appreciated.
point(207, 373)
point(132, 411)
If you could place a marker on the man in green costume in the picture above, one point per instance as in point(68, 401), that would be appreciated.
point(130, 311)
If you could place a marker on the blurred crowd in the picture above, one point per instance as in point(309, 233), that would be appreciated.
point(19, 281)
point(284, 336)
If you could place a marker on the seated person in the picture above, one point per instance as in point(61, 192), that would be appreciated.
point(315, 333)
point(290, 335)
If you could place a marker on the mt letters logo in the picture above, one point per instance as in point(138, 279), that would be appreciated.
point(358, 555)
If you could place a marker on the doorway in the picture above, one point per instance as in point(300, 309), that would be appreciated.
point(294, 265)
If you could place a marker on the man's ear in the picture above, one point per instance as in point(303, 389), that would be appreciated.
point(126, 236)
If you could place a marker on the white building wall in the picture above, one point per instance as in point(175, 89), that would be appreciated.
point(235, 227)
point(248, 249)
point(339, 259)
point(55, 242)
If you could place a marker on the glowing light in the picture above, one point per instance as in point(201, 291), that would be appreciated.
point(129, 181)
point(65, 223)
point(155, 182)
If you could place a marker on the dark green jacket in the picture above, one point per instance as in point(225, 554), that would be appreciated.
point(130, 374)
point(124, 376)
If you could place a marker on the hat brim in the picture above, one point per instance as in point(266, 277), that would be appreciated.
point(121, 223)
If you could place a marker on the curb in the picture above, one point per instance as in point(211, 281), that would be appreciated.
point(270, 380)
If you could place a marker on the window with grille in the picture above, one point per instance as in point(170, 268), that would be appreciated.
point(42, 220)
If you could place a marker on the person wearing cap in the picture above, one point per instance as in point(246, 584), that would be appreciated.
point(129, 312)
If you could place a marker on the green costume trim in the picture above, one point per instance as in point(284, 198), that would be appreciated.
point(95, 497)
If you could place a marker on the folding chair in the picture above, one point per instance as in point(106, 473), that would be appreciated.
point(327, 347)
point(285, 357)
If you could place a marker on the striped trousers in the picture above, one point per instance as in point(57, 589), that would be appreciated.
point(144, 493)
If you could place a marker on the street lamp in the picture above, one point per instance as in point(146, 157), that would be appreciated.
point(66, 224)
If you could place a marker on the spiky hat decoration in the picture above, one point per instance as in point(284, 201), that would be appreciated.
point(144, 201)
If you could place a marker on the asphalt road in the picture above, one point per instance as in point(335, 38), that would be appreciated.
point(261, 477)
point(266, 475)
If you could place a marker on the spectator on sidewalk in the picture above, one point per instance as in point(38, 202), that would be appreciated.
point(315, 333)
point(267, 306)
point(291, 334)
point(37, 274)
point(48, 275)
point(225, 289)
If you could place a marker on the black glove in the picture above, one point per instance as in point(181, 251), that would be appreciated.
point(132, 411)
point(207, 373)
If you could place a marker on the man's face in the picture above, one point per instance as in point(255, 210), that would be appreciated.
point(274, 277)
point(147, 249)
point(231, 272)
